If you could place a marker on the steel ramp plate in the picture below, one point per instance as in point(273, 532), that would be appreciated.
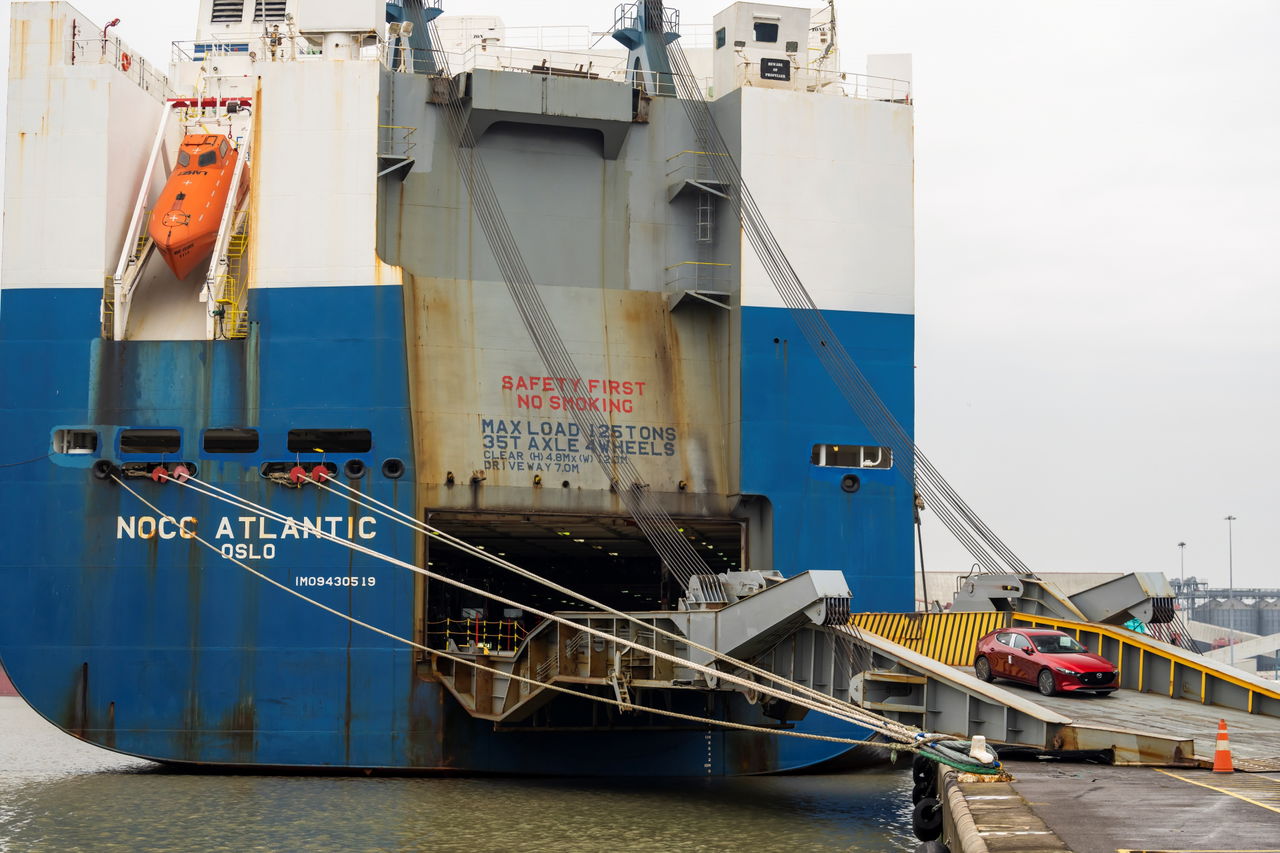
point(1256, 765)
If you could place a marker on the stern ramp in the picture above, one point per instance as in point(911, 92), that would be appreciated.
point(1166, 711)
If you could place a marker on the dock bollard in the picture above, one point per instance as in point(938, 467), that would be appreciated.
point(1222, 754)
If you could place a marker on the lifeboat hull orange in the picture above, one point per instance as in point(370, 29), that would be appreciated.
point(188, 213)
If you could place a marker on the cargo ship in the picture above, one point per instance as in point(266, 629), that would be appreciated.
point(235, 476)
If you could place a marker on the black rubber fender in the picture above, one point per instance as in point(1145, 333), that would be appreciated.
point(926, 819)
point(922, 768)
point(921, 790)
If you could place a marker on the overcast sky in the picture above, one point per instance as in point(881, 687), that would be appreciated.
point(1098, 289)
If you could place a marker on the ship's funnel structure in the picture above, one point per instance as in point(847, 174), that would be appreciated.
point(645, 28)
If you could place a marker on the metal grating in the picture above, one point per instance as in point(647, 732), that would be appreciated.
point(1256, 765)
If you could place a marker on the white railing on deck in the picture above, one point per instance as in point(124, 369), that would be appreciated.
point(569, 38)
point(509, 58)
point(559, 51)
point(557, 63)
point(288, 49)
point(131, 259)
point(821, 80)
point(88, 47)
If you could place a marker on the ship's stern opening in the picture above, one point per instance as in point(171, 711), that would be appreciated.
point(604, 558)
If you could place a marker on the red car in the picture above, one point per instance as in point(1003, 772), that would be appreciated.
point(1051, 660)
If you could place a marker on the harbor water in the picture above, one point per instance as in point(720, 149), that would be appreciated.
point(59, 794)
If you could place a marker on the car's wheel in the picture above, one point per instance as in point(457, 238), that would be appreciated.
point(1045, 683)
point(982, 667)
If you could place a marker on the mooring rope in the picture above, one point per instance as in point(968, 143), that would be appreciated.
point(386, 510)
point(626, 706)
point(846, 712)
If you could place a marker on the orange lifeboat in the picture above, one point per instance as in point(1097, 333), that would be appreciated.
point(185, 222)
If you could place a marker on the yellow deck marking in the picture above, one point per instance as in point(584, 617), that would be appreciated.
point(1221, 791)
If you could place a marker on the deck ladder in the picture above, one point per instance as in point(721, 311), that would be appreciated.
point(225, 284)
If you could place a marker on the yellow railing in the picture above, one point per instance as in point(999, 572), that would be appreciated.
point(703, 153)
point(693, 165)
point(695, 264)
point(493, 634)
point(1150, 666)
point(144, 235)
point(108, 307)
point(232, 286)
point(698, 275)
point(399, 137)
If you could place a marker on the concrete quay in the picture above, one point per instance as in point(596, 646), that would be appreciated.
point(1103, 809)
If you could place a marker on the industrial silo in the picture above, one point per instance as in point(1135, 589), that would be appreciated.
point(1268, 616)
point(1229, 613)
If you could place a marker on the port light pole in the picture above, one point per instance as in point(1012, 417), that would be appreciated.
point(1231, 584)
point(1182, 561)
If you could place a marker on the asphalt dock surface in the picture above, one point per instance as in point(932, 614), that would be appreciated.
point(1101, 809)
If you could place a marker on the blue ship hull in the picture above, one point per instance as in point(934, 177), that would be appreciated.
point(156, 646)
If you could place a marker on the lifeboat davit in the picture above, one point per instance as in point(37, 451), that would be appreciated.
point(186, 218)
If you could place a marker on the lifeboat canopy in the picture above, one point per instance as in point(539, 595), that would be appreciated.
point(188, 214)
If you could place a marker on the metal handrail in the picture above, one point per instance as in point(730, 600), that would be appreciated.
point(1148, 644)
point(90, 48)
point(405, 140)
point(694, 165)
point(698, 275)
point(628, 15)
point(289, 48)
point(529, 60)
point(132, 235)
point(218, 266)
point(811, 79)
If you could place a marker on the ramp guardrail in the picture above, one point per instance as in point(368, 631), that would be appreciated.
point(1151, 666)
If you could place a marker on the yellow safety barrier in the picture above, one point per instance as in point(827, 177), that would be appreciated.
point(493, 634)
point(949, 638)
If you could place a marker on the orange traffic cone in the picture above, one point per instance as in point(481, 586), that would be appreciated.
point(1222, 755)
